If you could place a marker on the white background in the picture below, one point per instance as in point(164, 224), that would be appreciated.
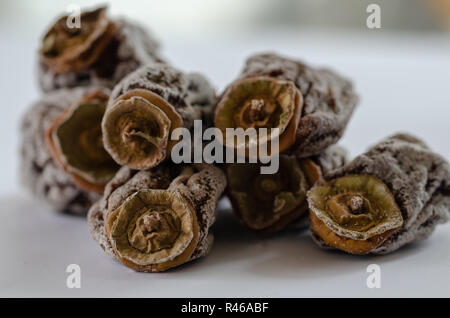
point(404, 83)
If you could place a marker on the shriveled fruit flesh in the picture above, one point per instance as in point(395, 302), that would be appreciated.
point(75, 142)
point(354, 213)
point(260, 102)
point(268, 202)
point(153, 230)
point(71, 49)
point(137, 129)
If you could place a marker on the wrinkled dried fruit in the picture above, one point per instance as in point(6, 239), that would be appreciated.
point(405, 169)
point(157, 219)
point(311, 106)
point(137, 129)
point(65, 49)
point(146, 107)
point(101, 52)
point(260, 102)
point(39, 171)
point(268, 202)
point(75, 142)
point(154, 229)
point(354, 213)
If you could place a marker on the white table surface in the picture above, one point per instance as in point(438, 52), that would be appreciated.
point(404, 82)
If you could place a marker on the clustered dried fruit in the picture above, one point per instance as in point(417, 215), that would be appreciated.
point(78, 135)
point(63, 147)
point(100, 52)
point(145, 108)
point(394, 194)
point(266, 203)
point(62, 176)
point(151, 220)
point(157, 219)
point(309, 107)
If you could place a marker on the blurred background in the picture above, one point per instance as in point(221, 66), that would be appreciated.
point(401, 70)
point(197, 18)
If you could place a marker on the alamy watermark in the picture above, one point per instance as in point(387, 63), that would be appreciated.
point(73, 20)
point(250, 145)
point(374, 279)
point(374, 19)
point(73, 280)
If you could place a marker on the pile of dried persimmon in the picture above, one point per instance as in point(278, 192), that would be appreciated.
point(100, 139)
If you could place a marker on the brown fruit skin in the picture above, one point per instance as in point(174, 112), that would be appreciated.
point(128, 47)
point(286, 220)
point(329, 100)
point(160, 267)
point(81, 56)
point(190, 94)
point(288, 137)
point(150, 160)
point(360, 247)
point(314, 168)
point(313, 174)
point(184, 98)
point(199, 185)
point(423, 198)
point(283, 221)
point(78, 180)
point(175, 118)
point(39, 171)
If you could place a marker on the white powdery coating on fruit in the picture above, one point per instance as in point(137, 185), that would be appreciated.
point(191, 94)
point(333, 157)
point(39, 172)
point(329, 100)
point(96, 224)
point(419, 180)
point(202, 189)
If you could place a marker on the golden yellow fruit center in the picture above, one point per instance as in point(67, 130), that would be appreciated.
point(91, 144)
point(355, 206)
point(155, 230)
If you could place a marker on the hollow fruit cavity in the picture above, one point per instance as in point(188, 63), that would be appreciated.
point(137, 129)
point(153, 230)
point(267, 202)
point(355, 213)
point(260, 102)
point(68, 48)
point(136, 133)
point(75, 141)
